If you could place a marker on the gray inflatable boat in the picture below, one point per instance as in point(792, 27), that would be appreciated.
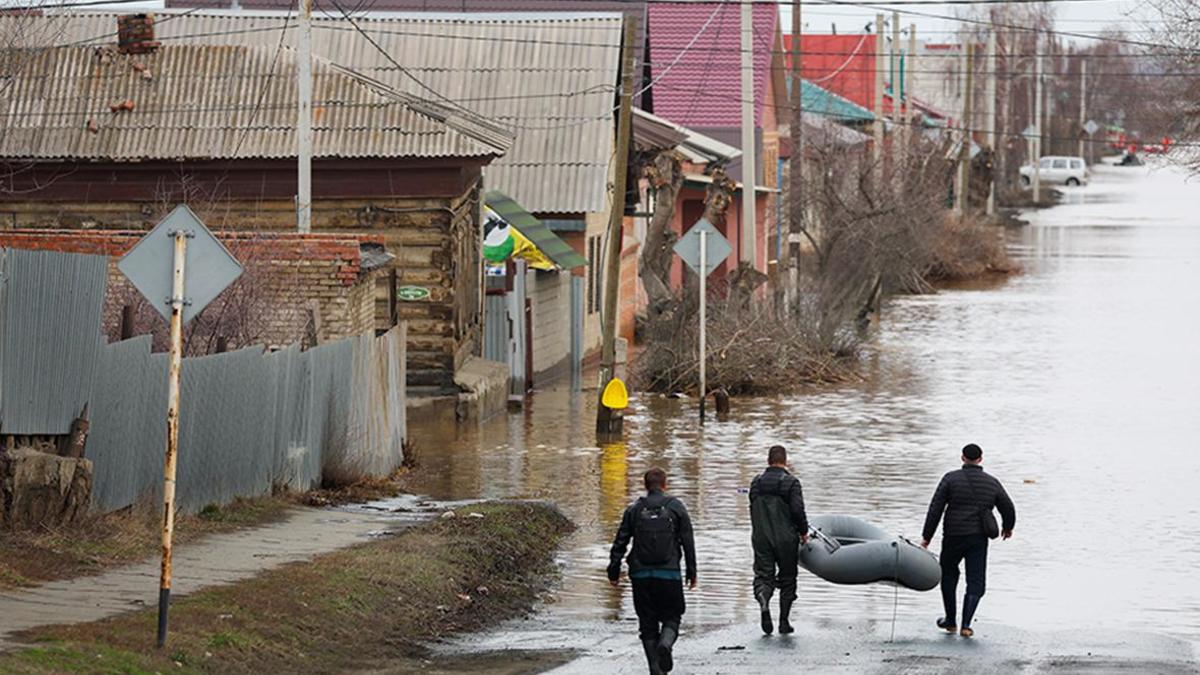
point(849, 550)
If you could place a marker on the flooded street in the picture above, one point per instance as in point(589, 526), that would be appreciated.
point(1079, 378)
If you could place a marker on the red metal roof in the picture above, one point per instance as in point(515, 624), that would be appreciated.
point(700, 86)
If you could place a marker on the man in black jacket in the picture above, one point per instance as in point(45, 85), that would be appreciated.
point(661, 531)
point(778, 526)
point(967, 496)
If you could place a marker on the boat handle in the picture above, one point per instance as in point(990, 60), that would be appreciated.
point(830, 544)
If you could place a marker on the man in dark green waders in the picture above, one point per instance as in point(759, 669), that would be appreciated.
point(778, 527)
point(661, 531)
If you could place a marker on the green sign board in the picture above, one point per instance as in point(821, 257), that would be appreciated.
point(412, 293)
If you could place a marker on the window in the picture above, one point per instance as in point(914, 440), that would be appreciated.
point(1060, 163)
point(1046, 161)
point(1077, 164)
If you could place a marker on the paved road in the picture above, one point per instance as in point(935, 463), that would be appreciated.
point(215, 560)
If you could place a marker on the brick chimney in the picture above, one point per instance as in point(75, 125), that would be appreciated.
point(135, 34)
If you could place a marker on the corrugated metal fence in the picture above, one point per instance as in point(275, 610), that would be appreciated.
point(250, 420)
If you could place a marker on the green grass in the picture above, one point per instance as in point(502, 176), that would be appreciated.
point(369, 605)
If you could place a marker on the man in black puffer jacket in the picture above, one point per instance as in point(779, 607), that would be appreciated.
point(778, 526)
point(661, 532)
point(966, 496)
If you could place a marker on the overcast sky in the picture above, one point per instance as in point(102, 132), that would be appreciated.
point(1090, 16)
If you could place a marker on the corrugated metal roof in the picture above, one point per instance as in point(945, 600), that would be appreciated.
point(213, 102)
point(696, 53)
point(550, 80)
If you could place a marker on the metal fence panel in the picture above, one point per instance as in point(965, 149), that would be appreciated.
point(49, 338)
point(249, 420)
point(128, 433)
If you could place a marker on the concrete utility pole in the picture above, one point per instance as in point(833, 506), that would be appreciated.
point(796, 163)
point(1037, 120)
point(749, 243)
point(992, 138)
point(964, 152)
point(897, 85)
point(607, 421)
point(878, 149)
point(1082, 103)
point(910, 64)
point(304, 135)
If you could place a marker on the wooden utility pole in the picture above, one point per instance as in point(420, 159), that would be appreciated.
point(992, 138)
point(607, 420)
point(964, 152)
point(878, 125)
point(1082, 103)
point(749, 243)
point(1037, 119)
point(174, 369)
point(796, 162)
point(304, 135)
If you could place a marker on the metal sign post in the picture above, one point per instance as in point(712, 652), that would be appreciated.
point(173, 371)
point(199, 271)
point(703, 248)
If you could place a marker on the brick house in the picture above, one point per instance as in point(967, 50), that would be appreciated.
point(104, 139)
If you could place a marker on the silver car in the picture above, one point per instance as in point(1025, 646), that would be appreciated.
point(1056, 170)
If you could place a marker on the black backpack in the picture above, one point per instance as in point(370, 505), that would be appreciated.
point(654, 539)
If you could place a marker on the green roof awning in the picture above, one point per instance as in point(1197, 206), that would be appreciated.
point(816, 99)
point(535, 231)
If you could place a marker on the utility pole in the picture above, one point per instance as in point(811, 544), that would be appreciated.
point(304, 135)
point(1082, 102)
point(964, 152)
point(992, 138)
point(1037, 119)
point(878, 149)
point(749, 244)
point(897, 87)
point(607, 421)
point(796, 163)
point(910, 65)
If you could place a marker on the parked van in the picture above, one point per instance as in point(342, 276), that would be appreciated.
point(1057, 171)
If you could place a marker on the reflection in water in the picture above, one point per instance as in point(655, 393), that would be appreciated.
point(1079, 379)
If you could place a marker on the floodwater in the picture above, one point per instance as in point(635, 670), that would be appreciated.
point(1080, 379)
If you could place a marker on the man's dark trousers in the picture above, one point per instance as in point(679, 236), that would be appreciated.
point(769, 557)
point(658, 603)
point(955, 548)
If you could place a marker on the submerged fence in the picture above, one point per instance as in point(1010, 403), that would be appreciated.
point(250, 420)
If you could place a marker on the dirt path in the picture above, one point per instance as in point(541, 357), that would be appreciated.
point(214, 560)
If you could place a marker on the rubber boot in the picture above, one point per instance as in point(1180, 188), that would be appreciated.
point(785, 626)
point(666, 660)
point(764, 603)
point(948, 621)
point(651, 648)
point(970, 604)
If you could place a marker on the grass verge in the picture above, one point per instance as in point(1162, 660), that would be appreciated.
point(363, 608)
point(102, 541)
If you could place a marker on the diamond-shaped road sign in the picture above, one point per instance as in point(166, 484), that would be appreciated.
point(1091, 127)
point(208, 269)
point(716, 246)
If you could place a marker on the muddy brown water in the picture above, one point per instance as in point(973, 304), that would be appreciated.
point(1079, 378)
